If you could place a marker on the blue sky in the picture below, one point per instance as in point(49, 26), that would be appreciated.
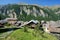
point(39, 2)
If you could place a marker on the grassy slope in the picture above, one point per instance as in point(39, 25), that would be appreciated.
point(21, 35)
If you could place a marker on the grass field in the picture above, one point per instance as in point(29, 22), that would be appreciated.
point(19, 34)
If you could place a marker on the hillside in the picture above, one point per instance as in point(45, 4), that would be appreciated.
point(21, 35)
point(27, 12)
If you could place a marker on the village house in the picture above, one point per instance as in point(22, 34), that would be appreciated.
point(11, 21)
point(49, 27)
point(31, 23)
point(45, 26)
point(54, 26)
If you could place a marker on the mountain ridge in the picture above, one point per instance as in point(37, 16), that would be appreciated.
point(16, 10)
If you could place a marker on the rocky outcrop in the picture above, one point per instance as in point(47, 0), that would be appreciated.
point(14, 10)
point(28, 9)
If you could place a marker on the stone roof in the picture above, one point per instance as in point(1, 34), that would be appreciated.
point(10, 19)
point(54, 23)
point(3, 21)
